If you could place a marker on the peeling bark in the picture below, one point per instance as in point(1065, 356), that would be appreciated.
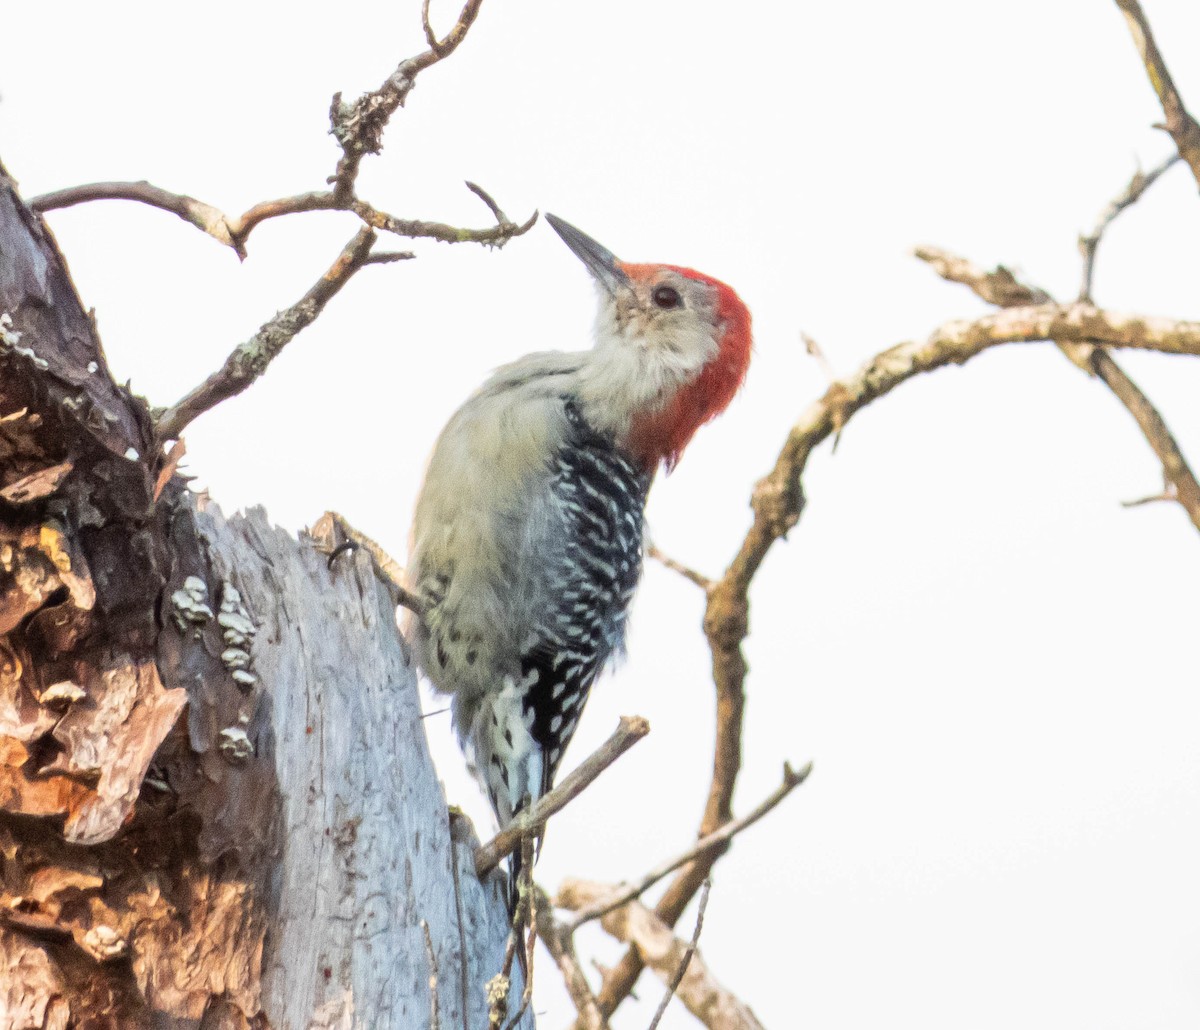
point(217, 807)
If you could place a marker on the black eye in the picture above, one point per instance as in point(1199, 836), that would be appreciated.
point(667, 297)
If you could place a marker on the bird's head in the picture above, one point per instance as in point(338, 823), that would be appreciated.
point(672, 348)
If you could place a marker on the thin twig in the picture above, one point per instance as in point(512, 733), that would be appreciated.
point(489, 201)
point(430, 35)
point(629, 731)
point(999, 286)
point(1089, 242)
point(673, 986)
point(434, 1018)
point(815, 351)
point(494, 236)
point(791, 780)
point(690, 574)
point(389, 257)
point(558, 941)
point(1166, 494)
point(1181, 125)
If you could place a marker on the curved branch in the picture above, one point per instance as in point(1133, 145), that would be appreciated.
point(776, 497)
point(233, 232)
point(203, 216)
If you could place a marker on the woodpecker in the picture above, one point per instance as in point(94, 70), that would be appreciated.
point(527, 538)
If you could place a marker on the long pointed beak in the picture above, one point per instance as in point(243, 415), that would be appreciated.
point(605, 268)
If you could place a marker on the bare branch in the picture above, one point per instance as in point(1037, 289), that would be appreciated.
point(1176, 471)
point(690, 574)
point(430, 35)
point(318, 200)
point(629, 731)
point(413, 228)
point(657, 947)
point(389, 257)
point(686, 960)
point(717, 839)
point(1089, 242)
point(999, 286)
point(250, 359)
point(358, 126)
point(814, 350)
point(203, 216)
point(1181, 125)
point(1094, 360)
point(234, 232)
point(1166, 494)
point(559, 943)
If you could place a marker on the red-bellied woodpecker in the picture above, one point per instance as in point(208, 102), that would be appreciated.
point(527, 539)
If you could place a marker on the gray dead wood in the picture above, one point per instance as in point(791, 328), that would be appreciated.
point(217, 808)
point(366, 839)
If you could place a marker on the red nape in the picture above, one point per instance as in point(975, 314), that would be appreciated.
point(662, 435)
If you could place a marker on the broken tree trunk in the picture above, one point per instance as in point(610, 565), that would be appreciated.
point(217, 807)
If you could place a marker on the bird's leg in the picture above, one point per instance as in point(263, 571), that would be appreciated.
point(335, 536)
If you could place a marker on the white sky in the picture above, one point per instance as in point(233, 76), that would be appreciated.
point(990, 661)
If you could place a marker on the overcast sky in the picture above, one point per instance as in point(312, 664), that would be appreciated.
point(990, 661)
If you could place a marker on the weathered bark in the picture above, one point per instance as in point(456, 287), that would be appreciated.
point(266, 859)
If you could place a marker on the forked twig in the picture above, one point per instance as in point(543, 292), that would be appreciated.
point(791, 780)
point(688, 573)
point(1089, 242)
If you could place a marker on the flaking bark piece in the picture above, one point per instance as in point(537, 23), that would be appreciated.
point(111, 741)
